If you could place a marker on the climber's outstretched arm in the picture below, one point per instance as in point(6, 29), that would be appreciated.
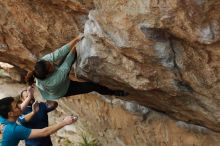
point(75, 41)
point(73, 50)
point(36, 133)
point(63, 51)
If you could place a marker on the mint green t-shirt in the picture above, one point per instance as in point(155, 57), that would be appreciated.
point(56, 85)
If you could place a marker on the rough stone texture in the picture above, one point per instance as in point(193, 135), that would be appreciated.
point(115, 125)
point(165, 53)
point(35, 28)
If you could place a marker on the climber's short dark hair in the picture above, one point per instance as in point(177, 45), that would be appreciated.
point(40, 71)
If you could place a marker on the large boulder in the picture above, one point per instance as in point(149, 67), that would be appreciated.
point(164, 53)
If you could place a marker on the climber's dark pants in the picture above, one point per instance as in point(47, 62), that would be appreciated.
point(86, 87)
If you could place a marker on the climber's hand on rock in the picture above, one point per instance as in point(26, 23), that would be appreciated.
point(75, 40)
point(80, 37)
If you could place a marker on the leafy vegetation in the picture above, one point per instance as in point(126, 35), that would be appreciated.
point(88, 141)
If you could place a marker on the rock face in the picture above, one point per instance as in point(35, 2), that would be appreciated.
point(113, 122)
point(127, 124)
point(165, 53)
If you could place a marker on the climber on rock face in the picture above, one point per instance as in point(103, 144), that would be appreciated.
point(53, 81)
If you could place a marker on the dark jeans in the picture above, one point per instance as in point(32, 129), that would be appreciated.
point(35, 142)
point(86, 87)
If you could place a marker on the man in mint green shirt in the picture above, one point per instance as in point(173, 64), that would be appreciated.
point(53, 81)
